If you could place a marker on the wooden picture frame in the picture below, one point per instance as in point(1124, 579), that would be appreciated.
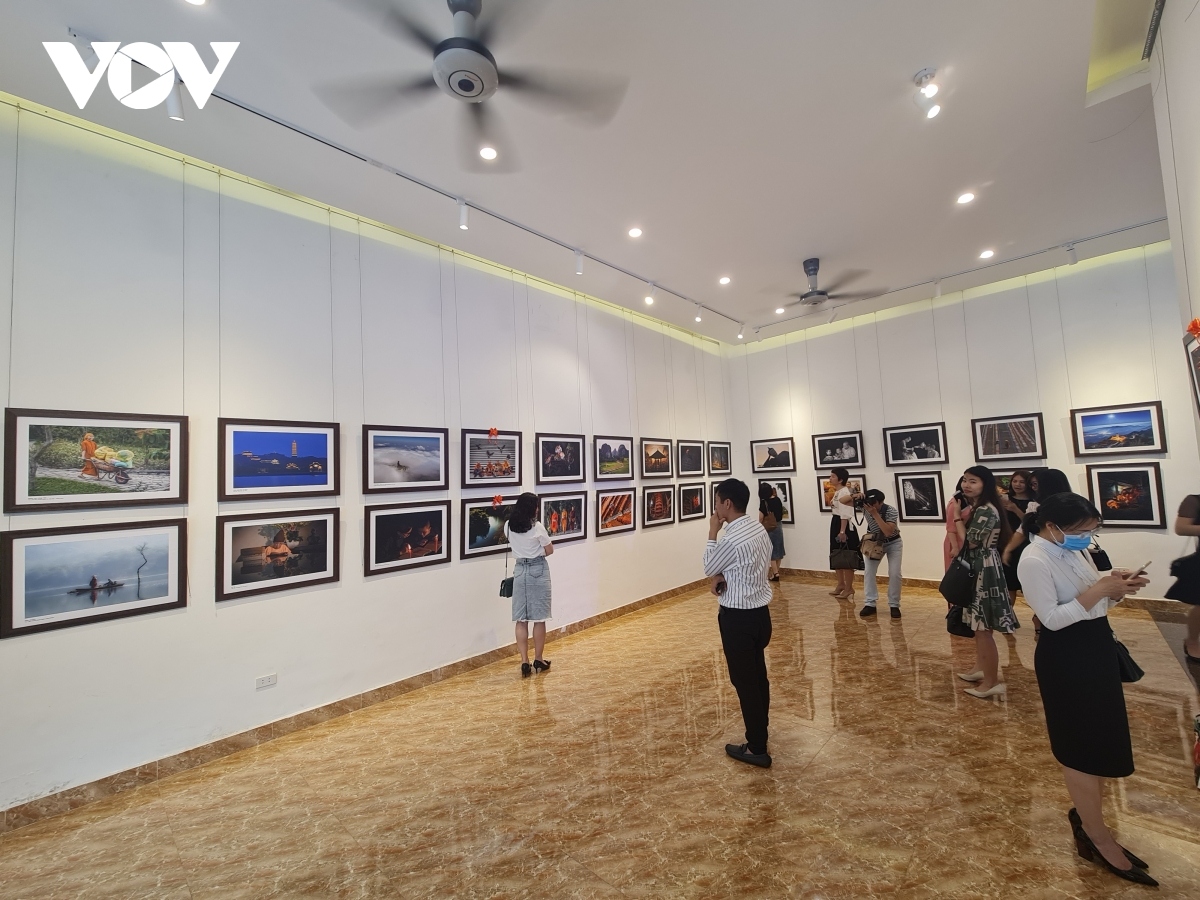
point(719, 455)
point(920, 497)
point(773, 455)
point(238, 537)
point(34, 556)
point(115, 475)
point(313, 477)
point(839, 448)
point(493, 540)
point(506, 450)
point(1009, 438)
point(689, 458)
point(606, 461)
point(691, 501)
point(916, 445)
point(1128, 495)
point(657, 458)
point(783, 490)
point(1126, 429)
point(382, 537)
point(560, 458)
point(857, 482)
point(653, 501)
point(403, 448)
point(612, 508)
point(575, 502)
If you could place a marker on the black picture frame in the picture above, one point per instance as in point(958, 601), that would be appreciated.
point(602, 459)
point(1127, 439)
point(623, 498)
point(768, 456)
point(1105, 479)
point(783, 490)
point(688, 495)
point(857, 483)
point(897, 453)
point(227, 489)
point(692, 453)
point(505, 442)
point(226, 591)
point(372, 433)
point(372, 515)
point(720, 458)
point(569, 442)
point(1019, 438)
point(664, 492)
point(652, 453)
point(920, 506)
point(476, 504)
point(17, 497)
point(15, 623)
point(559, 536)
point(827, 448)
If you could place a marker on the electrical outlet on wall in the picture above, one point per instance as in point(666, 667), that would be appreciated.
point(266, 681)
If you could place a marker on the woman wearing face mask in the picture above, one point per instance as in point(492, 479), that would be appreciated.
point(1077, 670)
point(991, 610)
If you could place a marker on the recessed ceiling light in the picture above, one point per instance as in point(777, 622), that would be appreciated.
point(725, 279)
point(488, 152)
point(196, 2)
point(987, 254)
point(780, 311)
point(933, 111)
point(635, 232)
point(966, 198)
point(649, 300)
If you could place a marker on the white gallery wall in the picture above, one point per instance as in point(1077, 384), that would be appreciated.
point(137, 282)
point(1105, 331)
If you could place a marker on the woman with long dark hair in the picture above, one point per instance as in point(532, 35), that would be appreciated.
point(1044, 483)
point(530, 544)
point(991, 609)
point(1077, 669)
point(842, 532)
point(769, 502)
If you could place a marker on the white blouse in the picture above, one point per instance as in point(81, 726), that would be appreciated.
point(1052, 577)
point(843, 503)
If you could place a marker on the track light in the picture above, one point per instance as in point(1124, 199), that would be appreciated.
point(966, 198)
point(937, 287)
point(926, 91)
point(780, 311)
point(933, 111)
point(724, 279)
point(488, 153)
point(462, 214)
point(987, 254)
point(197, 2)
point(175, 102)
point(698, 308)
point(650, 296)
point(578, 262)
point(1072, 255)
point(741, 328)
point(635, 232)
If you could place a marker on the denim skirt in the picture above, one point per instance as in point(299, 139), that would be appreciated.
point(531, 590)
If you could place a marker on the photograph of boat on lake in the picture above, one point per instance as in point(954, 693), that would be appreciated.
point(262, 458)
point(258, 554)
point(86, 460)
point(1116, 430)
point(61, 577)
point(404, 459)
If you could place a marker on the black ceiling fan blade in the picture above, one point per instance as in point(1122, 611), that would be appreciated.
point(483, 129)
point(500, 19)
point(593, 99)
point(361, 101)
point(844, 279)
point(859, 295)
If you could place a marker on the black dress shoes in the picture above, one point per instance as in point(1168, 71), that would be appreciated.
point(895, 612)
point(867, 611)
point(741, 752)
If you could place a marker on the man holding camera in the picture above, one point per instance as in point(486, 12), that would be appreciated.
point(883, 539)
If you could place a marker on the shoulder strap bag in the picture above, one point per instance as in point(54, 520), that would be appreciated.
point(506, 584)
point(958, 584)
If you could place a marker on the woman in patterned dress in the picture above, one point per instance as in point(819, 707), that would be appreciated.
point(992, 608)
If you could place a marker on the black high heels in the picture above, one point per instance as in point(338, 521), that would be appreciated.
point(1087, 850)
point(526, 670)
point(541, 665)
point(1077, 825)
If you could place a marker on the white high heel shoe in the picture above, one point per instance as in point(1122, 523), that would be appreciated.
point(999, 690)
point(972, 676)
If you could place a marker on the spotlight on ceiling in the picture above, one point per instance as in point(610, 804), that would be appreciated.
point(780, 311)
point(966, 198)
point(488, 153)
point(697, 312)
point(463, 212)
point(578, 262)
point(741, 328)
point(987, 254)
point(650, 296)
point(197, 2)
point(933, 111)
point(926, 90)
point(175, 102)
point(930, 90)
point(635, 232)
point(725, 279)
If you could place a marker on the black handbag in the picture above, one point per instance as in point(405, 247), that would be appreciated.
point(1099, 558)
point(506, 583)
point(958, 584)
point(955, 624)
point(1186, 572)
point(1130, 671)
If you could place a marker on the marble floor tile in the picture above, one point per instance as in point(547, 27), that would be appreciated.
point(607, 778)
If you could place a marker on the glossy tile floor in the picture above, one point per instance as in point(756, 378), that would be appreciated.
point(607, 778)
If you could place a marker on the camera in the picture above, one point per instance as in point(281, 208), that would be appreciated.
point(859, 502)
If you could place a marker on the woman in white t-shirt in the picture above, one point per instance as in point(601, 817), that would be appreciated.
point(842, 532)
point(530, 544)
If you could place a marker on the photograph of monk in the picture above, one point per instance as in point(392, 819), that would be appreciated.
point(565, 516)
point(405, 537)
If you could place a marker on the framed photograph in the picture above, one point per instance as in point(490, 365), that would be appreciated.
point(565, 516)
point(1003, 479)
point(691, 458)
point(658, 506)
point(613, 458)
point(63, 577)
point(712, 493)
point(919, 497)
point(825, 490)
point(783, 490)
point(841, 448)
point(1191, 346)
point(406, 536)
point(1128, 496)
point(656, 458)
point(560, 458)
point(483, 525)
point(404, 459)
point(776, 455)
point(1009, 438)
point(265, 458)
point(1119, 430)
point(691, 501)
point(262, 553)
point(719, 458)
point(915, 445)
point(490, 458)
point(86, 460)
point(616, 511)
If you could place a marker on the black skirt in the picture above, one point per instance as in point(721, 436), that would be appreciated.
point(835, 528)
point(1085, 704)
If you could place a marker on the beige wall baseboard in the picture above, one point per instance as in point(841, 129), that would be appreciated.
point(72, 798)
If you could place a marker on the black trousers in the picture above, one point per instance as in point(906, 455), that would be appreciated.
point(745, 634)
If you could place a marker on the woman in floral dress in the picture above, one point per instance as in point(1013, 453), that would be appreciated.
point(992, 610)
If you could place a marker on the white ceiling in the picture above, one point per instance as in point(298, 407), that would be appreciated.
point(753, 134)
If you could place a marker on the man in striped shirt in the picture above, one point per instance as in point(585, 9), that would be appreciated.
point(737, 565)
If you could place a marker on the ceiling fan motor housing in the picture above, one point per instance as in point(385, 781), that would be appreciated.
point(463, 68)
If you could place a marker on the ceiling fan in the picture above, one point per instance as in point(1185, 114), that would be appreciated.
point(465, 70)
point(816, 296)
